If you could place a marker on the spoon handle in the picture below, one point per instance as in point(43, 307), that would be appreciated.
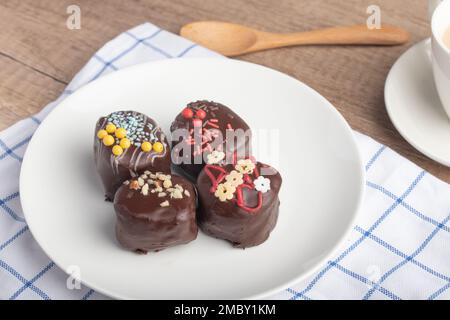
point(351, 35)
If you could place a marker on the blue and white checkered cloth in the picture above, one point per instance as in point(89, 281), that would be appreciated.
point(399, 249)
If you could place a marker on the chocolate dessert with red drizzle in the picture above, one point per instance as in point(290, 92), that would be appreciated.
point(128, 142)
point(238, 202)
point(155, 211)
point(203, 127)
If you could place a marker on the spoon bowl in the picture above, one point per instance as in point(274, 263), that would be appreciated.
point(227, 38)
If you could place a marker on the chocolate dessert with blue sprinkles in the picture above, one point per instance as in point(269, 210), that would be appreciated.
point(125, 143)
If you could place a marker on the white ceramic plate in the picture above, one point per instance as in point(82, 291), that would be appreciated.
point(413, 104)
point(322, 189)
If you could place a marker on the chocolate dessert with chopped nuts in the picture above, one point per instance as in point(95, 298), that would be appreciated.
point(128, 142)
point(155, 211)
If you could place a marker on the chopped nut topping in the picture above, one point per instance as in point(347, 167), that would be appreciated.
point(164, 204)
point(164, 177)
point(145, 189)
point(134, 185)
point(176, 194)
point(159, 183)
point(167, 184)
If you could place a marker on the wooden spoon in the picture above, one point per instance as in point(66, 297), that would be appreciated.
point(232, 39)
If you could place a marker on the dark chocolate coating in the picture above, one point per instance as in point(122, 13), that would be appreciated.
point(114, 170)
point(143, 225)
point(225, 116)
point(226, 220)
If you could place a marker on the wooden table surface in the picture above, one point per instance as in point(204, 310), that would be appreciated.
point(39, 55)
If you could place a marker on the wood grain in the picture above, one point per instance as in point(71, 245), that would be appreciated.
point(39, 55)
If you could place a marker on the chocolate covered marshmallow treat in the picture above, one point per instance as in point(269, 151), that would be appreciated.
point(200, 129)
point(125, 143)
point(155, 211)
point(238, 202)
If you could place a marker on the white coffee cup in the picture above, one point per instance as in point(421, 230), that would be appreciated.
point(440, 21)
point(432, 4)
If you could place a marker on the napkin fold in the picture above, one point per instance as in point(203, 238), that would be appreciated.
point(399, 248)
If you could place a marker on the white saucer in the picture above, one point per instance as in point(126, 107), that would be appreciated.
point(413, 104)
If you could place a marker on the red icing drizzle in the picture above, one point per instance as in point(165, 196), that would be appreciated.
point(215, 181)
point(240, 200)
point(248, 184)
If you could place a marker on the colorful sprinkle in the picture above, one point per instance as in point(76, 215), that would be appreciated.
point(121, 133)
point(187, 113)
point(211, 124)
point(147, 146)
point(117, 150)
point(201, 114)
point(125, 143)
point(262, 184)
point(225, 191)
point(134, 126)
point(108, 140)
point(101, 134)
point(110, 128)
point(234, 178)
point(245, 166)
point(128, 128)
point(158, 147)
